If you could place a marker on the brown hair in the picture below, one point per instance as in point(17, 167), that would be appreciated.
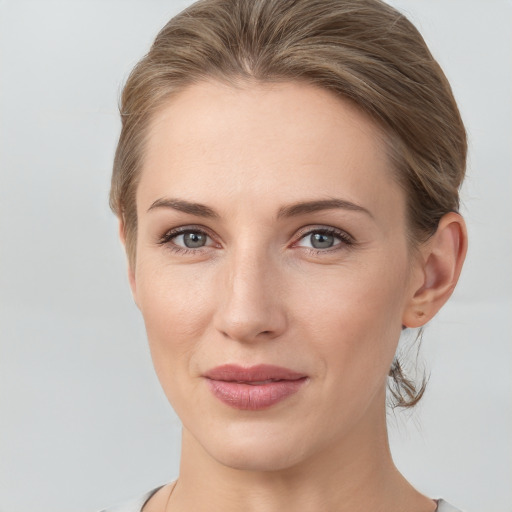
point(363, 50)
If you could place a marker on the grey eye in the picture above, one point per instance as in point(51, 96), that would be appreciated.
point(322, 240)
point(194, 239)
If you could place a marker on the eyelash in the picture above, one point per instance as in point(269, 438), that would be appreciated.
point(346, 240)
point(173, 233)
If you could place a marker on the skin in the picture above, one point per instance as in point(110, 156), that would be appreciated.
point(258, 292)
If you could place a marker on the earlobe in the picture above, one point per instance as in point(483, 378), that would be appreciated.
point(441, 262)
point(131, 270)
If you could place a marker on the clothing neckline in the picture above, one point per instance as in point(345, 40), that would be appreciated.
point(151, 493)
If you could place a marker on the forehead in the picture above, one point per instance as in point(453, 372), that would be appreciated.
point(263, 142)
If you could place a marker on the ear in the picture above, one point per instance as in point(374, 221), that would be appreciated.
point(131, 270)
point(440, 264)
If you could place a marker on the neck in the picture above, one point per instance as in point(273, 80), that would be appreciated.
point(353, 474)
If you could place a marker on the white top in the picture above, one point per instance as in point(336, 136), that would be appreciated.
point(136, 505)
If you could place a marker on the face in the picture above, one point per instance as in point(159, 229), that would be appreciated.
point(271, 234)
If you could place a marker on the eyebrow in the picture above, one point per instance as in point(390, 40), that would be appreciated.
point(303, 207)
point(198, 209)
point(292, 210)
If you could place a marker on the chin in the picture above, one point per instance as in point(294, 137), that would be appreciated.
point(253, 456)
point(258, 448)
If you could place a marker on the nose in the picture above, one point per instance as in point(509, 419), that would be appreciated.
point(250, 305)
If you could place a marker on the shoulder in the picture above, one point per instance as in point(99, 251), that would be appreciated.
point(132, 505)
point(443, 506)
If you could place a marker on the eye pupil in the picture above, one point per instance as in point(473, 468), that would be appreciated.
point(322, 240)
point(193, 239)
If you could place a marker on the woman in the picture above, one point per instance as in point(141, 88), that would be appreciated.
point(286, 182)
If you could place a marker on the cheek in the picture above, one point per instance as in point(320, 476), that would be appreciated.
point(176, 309)
point(354, 316)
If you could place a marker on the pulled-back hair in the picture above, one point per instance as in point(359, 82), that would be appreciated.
point(363, 50)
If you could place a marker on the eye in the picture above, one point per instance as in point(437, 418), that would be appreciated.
point(324, 238)
point(191, 239)
point(186, 239)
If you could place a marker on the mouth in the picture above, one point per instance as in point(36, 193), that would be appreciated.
point(253, 388)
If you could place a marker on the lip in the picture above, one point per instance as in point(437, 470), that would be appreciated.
point(253, 388)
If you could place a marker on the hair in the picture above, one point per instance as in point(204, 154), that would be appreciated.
point(361, 50)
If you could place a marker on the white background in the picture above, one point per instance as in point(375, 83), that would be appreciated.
point(83, 423)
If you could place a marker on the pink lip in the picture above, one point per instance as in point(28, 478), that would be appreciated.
point(247, 389)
